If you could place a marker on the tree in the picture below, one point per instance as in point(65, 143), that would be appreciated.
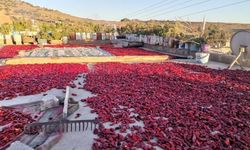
point(216, 36)
point(109, 29)
point(97, 28)
point(22, 25)
point(125, 20)
point(45, 29)
point(5, 28)
point(56, 35)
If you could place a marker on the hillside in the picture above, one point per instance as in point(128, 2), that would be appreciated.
point(11, 10)
point(16, 9)
point(192, 25)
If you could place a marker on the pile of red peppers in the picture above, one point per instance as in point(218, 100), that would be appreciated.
point(11, 51)
point(14, 123)
point(181, 106)
point(33, 79)
point(129, 51)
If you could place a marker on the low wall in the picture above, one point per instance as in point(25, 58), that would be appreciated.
point(80, 42)
point(222, 58)
point(227, 59)
point(184, 53)
point(56, 60)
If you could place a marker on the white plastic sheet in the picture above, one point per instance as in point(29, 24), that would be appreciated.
point(49, 101)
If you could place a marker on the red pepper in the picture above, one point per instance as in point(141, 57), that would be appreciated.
point(11, 51)
point(129, 51)
point(227, 141)
point(181, 106)
point(17, 122)
point(34, 79)
point(77, 115)
point(73, 94)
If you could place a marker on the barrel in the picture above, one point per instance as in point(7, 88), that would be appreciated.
point(202, 57)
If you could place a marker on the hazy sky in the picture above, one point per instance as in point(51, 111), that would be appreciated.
point(166, 9)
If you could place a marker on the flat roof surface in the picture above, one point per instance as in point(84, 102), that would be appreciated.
point(210, 64)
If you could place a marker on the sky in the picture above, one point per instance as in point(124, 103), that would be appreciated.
point(115, 10)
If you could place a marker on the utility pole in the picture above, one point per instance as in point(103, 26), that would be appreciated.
point(203, 26)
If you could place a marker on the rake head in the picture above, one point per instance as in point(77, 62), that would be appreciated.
point(61, 126)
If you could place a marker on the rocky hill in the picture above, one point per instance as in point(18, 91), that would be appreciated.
point(16, 9)
point(11, 10)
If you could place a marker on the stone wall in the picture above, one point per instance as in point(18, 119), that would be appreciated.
point(184, 53)
point(99, 42)
point(227, 59)
point(222, 58)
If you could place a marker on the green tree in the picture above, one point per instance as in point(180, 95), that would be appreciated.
point(125, 20)
point(109, 29)
point(5, 28)
point(56, 35)
point(45, 30)
point(22, 25)
point(216, 36)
